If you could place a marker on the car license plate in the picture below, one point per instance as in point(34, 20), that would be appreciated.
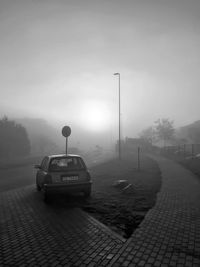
point(69, 178)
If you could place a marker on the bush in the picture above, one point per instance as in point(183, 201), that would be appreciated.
point(14, 139)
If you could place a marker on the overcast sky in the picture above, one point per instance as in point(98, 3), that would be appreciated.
point(57, 58)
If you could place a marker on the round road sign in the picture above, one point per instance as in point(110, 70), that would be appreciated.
point(66, 131)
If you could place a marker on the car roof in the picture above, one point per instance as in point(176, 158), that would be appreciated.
point(63, 155)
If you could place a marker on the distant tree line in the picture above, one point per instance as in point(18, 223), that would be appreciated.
point(14, 139)
point(162, 130)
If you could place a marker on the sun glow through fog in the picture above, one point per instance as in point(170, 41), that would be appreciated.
point(95, 116)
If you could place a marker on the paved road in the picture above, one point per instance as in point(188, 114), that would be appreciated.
point(35, 234)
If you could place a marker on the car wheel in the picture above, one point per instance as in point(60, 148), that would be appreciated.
point(87, 192)
point(38, 187)
point(46, 197)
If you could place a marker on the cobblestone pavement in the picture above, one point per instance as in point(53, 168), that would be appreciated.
point(35, 234)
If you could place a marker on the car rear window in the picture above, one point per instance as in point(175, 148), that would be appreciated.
point(69, 163)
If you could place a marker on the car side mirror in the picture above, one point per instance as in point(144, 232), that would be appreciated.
point(37, 166)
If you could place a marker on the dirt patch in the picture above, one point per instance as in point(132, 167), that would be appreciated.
point(123, 210)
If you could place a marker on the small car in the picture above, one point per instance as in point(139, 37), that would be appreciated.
point(63, 174)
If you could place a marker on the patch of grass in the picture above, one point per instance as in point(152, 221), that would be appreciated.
point(18, 162)
point(193, 165)
point(120, 211)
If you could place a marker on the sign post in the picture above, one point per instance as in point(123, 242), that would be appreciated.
point(138, 158)
point(66, 131)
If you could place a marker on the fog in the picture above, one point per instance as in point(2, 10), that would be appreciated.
point(58, 59)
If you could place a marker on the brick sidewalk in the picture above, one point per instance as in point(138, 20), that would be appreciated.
point(35, 234)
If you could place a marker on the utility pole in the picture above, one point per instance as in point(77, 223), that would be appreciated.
point(119, 148)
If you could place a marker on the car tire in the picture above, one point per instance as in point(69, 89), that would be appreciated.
point(87, 192)
point(46, 197)
point(38, 187)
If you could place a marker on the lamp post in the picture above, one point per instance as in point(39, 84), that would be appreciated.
point(118, 74)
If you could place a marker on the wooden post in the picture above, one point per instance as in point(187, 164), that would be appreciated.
point(138, 158)
point(184, 151)
point(192, 150)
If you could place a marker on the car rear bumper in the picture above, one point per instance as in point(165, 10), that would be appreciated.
point(67, 188)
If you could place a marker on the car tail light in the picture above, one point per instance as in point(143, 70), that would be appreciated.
point(48, 179)
point(88, 176)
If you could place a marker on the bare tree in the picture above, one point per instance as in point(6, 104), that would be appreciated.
point(149, 134)
point(164, 129)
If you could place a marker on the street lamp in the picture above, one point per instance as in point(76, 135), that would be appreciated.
point(118, 74)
